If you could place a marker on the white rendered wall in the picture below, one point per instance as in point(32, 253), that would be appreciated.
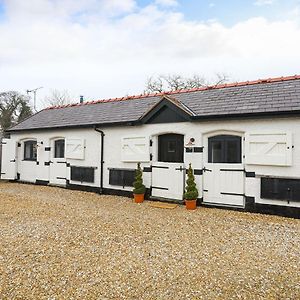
point(29, 171)
point(199, 131)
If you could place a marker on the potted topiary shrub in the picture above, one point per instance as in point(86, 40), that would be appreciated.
point(191, 193)
point(139, 188)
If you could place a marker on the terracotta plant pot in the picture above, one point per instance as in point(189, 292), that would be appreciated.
point(190, 204)
point(138, 198)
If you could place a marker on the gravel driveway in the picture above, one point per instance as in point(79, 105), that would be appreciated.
point(62, 244)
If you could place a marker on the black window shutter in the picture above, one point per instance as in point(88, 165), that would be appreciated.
point(129, 177)
point(121, 177)
point(115, 177)
point(83, 174)
point(280, 189)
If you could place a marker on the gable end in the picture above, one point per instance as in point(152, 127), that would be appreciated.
point(165, 112)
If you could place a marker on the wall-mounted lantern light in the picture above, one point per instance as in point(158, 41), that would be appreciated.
point(191, 142)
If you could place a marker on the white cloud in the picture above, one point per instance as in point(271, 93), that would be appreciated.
point(61, 9)
point(263, 2)
point(104, 56)
point(166, 2)
point(295, 13)
point(119, 5)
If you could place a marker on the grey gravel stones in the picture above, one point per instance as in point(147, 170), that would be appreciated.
point(62, 244)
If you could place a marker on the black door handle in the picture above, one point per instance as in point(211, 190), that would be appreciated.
point(206, 170)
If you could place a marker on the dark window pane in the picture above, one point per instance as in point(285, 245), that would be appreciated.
point(233, 152)
point(34, 151)
point(59, 149)
point(30, 150)
point(171, 146)
point(216, 156)
point(27, 151)
point(224, 149)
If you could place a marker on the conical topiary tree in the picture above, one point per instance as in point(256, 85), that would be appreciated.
point(191, 191)
point(139, 187)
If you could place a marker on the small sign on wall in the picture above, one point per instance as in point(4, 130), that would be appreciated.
point(135, 149)
point(75, 148)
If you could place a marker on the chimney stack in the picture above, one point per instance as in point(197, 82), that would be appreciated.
point(81, 99)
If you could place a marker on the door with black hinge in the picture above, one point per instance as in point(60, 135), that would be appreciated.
point(223, 172)
point(9, 161)
point(168, 172)
point(58, 163)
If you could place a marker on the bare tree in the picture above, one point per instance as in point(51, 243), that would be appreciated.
point(173, 82)
point(14, 108)
point(57, 98)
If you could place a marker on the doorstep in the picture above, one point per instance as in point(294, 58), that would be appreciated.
point(160, 199)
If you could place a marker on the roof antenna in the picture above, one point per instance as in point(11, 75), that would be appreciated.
point(34, 96)
point(81, 99)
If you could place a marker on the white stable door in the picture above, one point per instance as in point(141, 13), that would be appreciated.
point(168, 172)
point(168, 180)
point(58, 163)
point(9, 162)
point(223, 172)
point(223, 184)
point(58, 171)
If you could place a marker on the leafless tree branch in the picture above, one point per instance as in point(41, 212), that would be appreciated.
point(173, 82)
point(57, 98)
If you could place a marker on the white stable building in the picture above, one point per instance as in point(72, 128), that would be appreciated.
point(242, 139)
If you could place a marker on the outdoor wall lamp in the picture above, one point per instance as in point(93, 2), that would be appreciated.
point(191, 142)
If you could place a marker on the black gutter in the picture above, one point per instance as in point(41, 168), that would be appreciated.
point(251, 115)
point(101, 159)
point(93, 125)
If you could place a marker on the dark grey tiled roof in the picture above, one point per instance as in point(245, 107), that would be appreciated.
point(257, 98)
point(277, 95)
point(91, 114)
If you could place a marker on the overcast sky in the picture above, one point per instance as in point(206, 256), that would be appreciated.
point(108, 48)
